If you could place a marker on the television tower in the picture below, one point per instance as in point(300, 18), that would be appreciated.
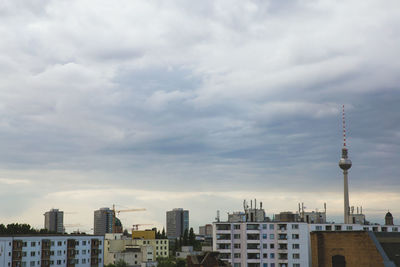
point(345, 165)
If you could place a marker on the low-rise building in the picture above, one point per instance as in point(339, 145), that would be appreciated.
point(51, 250)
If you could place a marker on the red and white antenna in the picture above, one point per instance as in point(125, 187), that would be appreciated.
point(344, 127)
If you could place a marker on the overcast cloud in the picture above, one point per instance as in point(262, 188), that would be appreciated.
point(196, 104)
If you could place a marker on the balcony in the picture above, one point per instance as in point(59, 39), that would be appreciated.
point(223, 227)
point(46, 244)
point(17, 245)
point(282, 228)
point(253, 237)
point(282, 256)
point(95, 243)
point(282, 248)
point(253, 256)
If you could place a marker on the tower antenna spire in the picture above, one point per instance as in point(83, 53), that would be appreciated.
point(344, 126)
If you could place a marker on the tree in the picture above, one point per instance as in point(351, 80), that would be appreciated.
point(121, 263)
point(185, 238)
point(180, 263)
point(192, 237)
point(165, 262)
point(163, 235)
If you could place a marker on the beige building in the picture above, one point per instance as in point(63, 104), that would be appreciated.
point(160, 246)
point(133, 251)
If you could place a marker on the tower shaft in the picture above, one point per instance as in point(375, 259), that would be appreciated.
point(346, 198)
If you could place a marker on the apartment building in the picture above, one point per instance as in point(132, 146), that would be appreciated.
point(121, 246)
point(262, 244)
point(51, 250)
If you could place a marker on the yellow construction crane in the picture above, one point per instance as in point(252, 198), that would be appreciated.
point(118, 211)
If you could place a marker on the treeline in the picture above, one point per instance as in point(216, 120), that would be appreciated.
point(188, 239)
point(160, 235)
point(21, 229)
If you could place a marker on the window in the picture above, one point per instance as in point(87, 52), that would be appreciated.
point(236, 265)
point(264, 226)
point(264, 236)
point(265, 245)
point(32, 263)
point(295, 226)
point(23, 253)
point(236, 245)
point(338, 227)
point(59, 243)
point(328, 228)
point(84, 243)
point(272, 255)
point(23, 264)
point(318, 228)
point(265, 255)
point(271, 236)
point(271, 227)
point(33, 244)
point(32, 253)
point(296, 264)
point(271, 246)
point(76, 243)
point(84, 252)
point(236, 226)
point(23, 244)
point(296, 256)
point(272, 265)
point(52, 243)
point(58, 262)
point(295, 246)
point(84, 260)
point(295, 236)
point(265, 265)
point(236, 255)
point(349, 228)
point(395, 229)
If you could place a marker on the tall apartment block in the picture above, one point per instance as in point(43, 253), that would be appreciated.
point(54, 221)
point(177, 222)
point(103, 221)
point(51, 250)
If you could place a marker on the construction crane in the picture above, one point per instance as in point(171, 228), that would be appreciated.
point(136, 226)
point(118, 211)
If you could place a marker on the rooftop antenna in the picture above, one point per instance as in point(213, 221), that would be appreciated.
point(217, 218)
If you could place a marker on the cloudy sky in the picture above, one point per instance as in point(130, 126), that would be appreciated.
point(196, 104)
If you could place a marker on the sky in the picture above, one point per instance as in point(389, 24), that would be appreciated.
point(197, 105)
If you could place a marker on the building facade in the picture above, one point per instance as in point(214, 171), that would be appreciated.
point(177, 222)
point(277, 244)
point(262, 244)
point(103, 221)
point(54, 221)
point(51, 250)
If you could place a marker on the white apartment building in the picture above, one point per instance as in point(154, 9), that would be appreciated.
point(275, 244)
point(262, 244)
point(51, 250)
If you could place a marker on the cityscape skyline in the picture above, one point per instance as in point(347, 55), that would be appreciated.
point(197, 106)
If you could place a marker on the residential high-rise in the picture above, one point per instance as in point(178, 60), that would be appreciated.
point(177, 222)
point(54, 221)
point(103, 221)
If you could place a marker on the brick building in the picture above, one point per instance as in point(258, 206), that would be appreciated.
point(350, 249)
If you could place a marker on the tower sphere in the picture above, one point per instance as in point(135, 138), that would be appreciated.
point(344, 164)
